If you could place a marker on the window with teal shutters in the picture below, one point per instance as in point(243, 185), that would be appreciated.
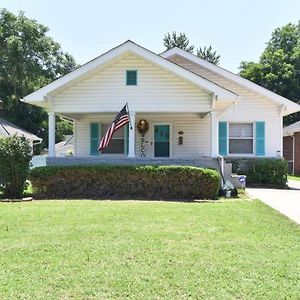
point(94, 138)
point(223, 138)
point(260, 138)
point(131, 77)
point(240, 138)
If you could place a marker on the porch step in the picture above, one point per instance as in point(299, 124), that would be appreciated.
point(203, 162)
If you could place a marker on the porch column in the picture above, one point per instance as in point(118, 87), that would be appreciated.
point(214, 134)
point(51, 134)
point(131, 136)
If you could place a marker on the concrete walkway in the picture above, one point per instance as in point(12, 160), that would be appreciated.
point(286, 202)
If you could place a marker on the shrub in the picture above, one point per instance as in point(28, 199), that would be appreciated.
point(15, 155)
point(262, 171)
point(117, 182)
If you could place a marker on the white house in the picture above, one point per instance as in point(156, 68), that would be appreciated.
point(194, 108)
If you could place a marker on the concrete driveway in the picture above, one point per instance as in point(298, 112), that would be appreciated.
point(286, 202)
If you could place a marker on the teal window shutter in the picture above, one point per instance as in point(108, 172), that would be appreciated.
point(260, 138)
point(223, 138)
point(94, 134)
point(131, 77)
point(126, 139)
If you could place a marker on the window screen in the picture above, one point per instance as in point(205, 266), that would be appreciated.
point(116, 145)
point(241, 138)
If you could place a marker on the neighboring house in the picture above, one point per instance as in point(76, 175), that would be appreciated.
point(65, 147)
point(194, 108)
point(291, 147)
point(9, 129)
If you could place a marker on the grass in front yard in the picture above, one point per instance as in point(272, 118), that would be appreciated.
point(147, 250)
point(294, 177)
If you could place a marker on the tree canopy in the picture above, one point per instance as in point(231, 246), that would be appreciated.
point(208, 54)
point(278, 68)
point(181, 41)
point(29, 59)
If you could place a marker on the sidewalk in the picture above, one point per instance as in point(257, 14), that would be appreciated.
point(294, 184)
point(286, 202)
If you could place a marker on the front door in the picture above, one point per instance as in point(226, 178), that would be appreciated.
point(161, 141)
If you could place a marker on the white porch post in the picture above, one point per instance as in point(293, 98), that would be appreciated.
point(131, 144)
point(214, 134)
point(51, 134)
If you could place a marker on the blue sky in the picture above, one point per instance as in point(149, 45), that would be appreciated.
point(238, 30)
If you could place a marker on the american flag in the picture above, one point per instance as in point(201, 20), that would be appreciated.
point(120, 120)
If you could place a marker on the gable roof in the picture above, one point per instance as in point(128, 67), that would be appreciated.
point(9, 129)
point(290, 106)
point(291, 129)
point(129, 46)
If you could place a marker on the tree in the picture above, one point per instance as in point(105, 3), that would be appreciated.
point(29, 59)
point(15, 155)
point(208, 54)
point(278, 68)
point(181, 41)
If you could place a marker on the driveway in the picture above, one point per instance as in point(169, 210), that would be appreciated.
point(286, 202)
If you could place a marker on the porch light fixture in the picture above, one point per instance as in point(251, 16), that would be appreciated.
point(180, 137)
point(143, 127)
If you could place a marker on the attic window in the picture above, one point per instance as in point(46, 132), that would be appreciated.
point(131, 77)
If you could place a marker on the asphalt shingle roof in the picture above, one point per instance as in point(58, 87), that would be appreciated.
point(9, 129)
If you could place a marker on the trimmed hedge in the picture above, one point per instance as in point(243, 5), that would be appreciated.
point(265, 172)
point(119, 182)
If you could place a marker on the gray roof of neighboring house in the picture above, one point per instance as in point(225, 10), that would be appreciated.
point(295, 127)
point(69, 140)
point(9, 129)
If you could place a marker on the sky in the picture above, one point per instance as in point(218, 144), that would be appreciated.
point(237, 29)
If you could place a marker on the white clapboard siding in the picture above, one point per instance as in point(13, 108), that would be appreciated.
point(157, 90)
point(196, 137)
point(251, 107)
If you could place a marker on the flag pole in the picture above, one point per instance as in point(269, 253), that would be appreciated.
point(129, 116)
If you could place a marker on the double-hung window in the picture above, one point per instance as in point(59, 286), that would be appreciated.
point(241, 139)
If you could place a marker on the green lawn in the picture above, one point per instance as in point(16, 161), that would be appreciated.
point(291, 177)
point(235, 249)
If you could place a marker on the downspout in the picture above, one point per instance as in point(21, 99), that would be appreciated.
point(221, 165)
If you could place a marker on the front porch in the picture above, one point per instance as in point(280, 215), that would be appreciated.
point(173, 136)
